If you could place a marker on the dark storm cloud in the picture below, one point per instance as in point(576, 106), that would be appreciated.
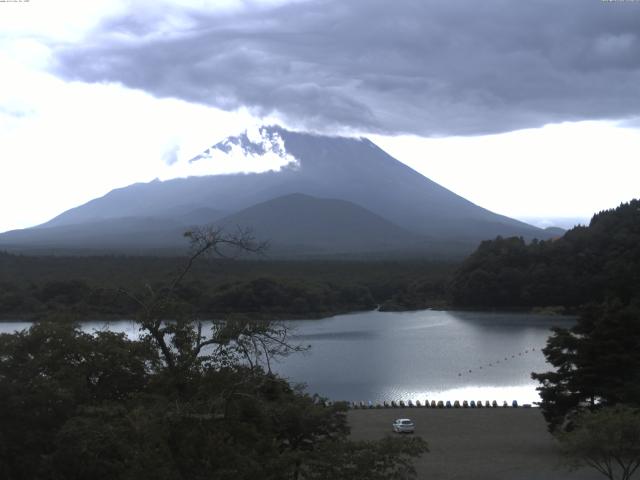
point(412, 66)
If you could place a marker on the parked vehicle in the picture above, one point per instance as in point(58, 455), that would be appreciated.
point(403, 425)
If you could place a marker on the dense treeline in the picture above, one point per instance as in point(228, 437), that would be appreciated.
point(597, 363)
point(588, 264)
point(31, 287)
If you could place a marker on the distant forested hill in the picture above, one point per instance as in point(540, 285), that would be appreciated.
point(33, 287)
point(587, 264)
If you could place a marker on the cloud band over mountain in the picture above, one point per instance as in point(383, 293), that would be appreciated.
point(425, 67)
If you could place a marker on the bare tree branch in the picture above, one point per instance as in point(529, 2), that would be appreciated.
point(182, 341)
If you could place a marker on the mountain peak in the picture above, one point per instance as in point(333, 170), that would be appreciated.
point(269, 139)
point(252, 142)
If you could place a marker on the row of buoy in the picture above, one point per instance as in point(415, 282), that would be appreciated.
point(497, 362)
point(433, 404)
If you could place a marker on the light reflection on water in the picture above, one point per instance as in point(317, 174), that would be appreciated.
point(434, 355)
point(523, 394)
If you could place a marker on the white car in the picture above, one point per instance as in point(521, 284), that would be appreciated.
point(403, 425)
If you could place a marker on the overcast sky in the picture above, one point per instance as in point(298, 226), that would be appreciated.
point(530, 109)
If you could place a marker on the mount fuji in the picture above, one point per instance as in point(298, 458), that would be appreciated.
point(331, 195)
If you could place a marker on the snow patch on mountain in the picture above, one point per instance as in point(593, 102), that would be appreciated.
point(256, 150)
point(264, 143)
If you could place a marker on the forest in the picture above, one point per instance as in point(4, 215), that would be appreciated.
point(91, 287)
point(588, 264)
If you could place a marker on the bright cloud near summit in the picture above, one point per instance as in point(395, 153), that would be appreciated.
point(523, 120)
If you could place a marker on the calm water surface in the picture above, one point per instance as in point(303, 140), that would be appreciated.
point(435, 355)
point(441, 355)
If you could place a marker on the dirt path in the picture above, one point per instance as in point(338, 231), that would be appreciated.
point(475, 444)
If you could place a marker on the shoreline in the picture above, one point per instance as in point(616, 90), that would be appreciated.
point(311, 316)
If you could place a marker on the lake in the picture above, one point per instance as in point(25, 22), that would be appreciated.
point(427, 354)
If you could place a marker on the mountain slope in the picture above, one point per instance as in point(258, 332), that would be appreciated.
point(292, 224)
point(587, 264)
point(298, 221)
point(122, 233)
point(99, 235)
point(348, 169)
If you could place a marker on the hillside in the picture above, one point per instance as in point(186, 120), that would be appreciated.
point(131, 235)
point(587, 264)
point(298, 221)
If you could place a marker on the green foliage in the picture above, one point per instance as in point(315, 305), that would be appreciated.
point(75, 406)
point(588, 264)
point(33, 287)
point(597, 363)
point(266, 295)
point(46, 374)
point(607, 440)
point(179, 402)
point(418, 294)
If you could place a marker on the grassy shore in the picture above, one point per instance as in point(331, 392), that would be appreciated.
point(475, 444)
